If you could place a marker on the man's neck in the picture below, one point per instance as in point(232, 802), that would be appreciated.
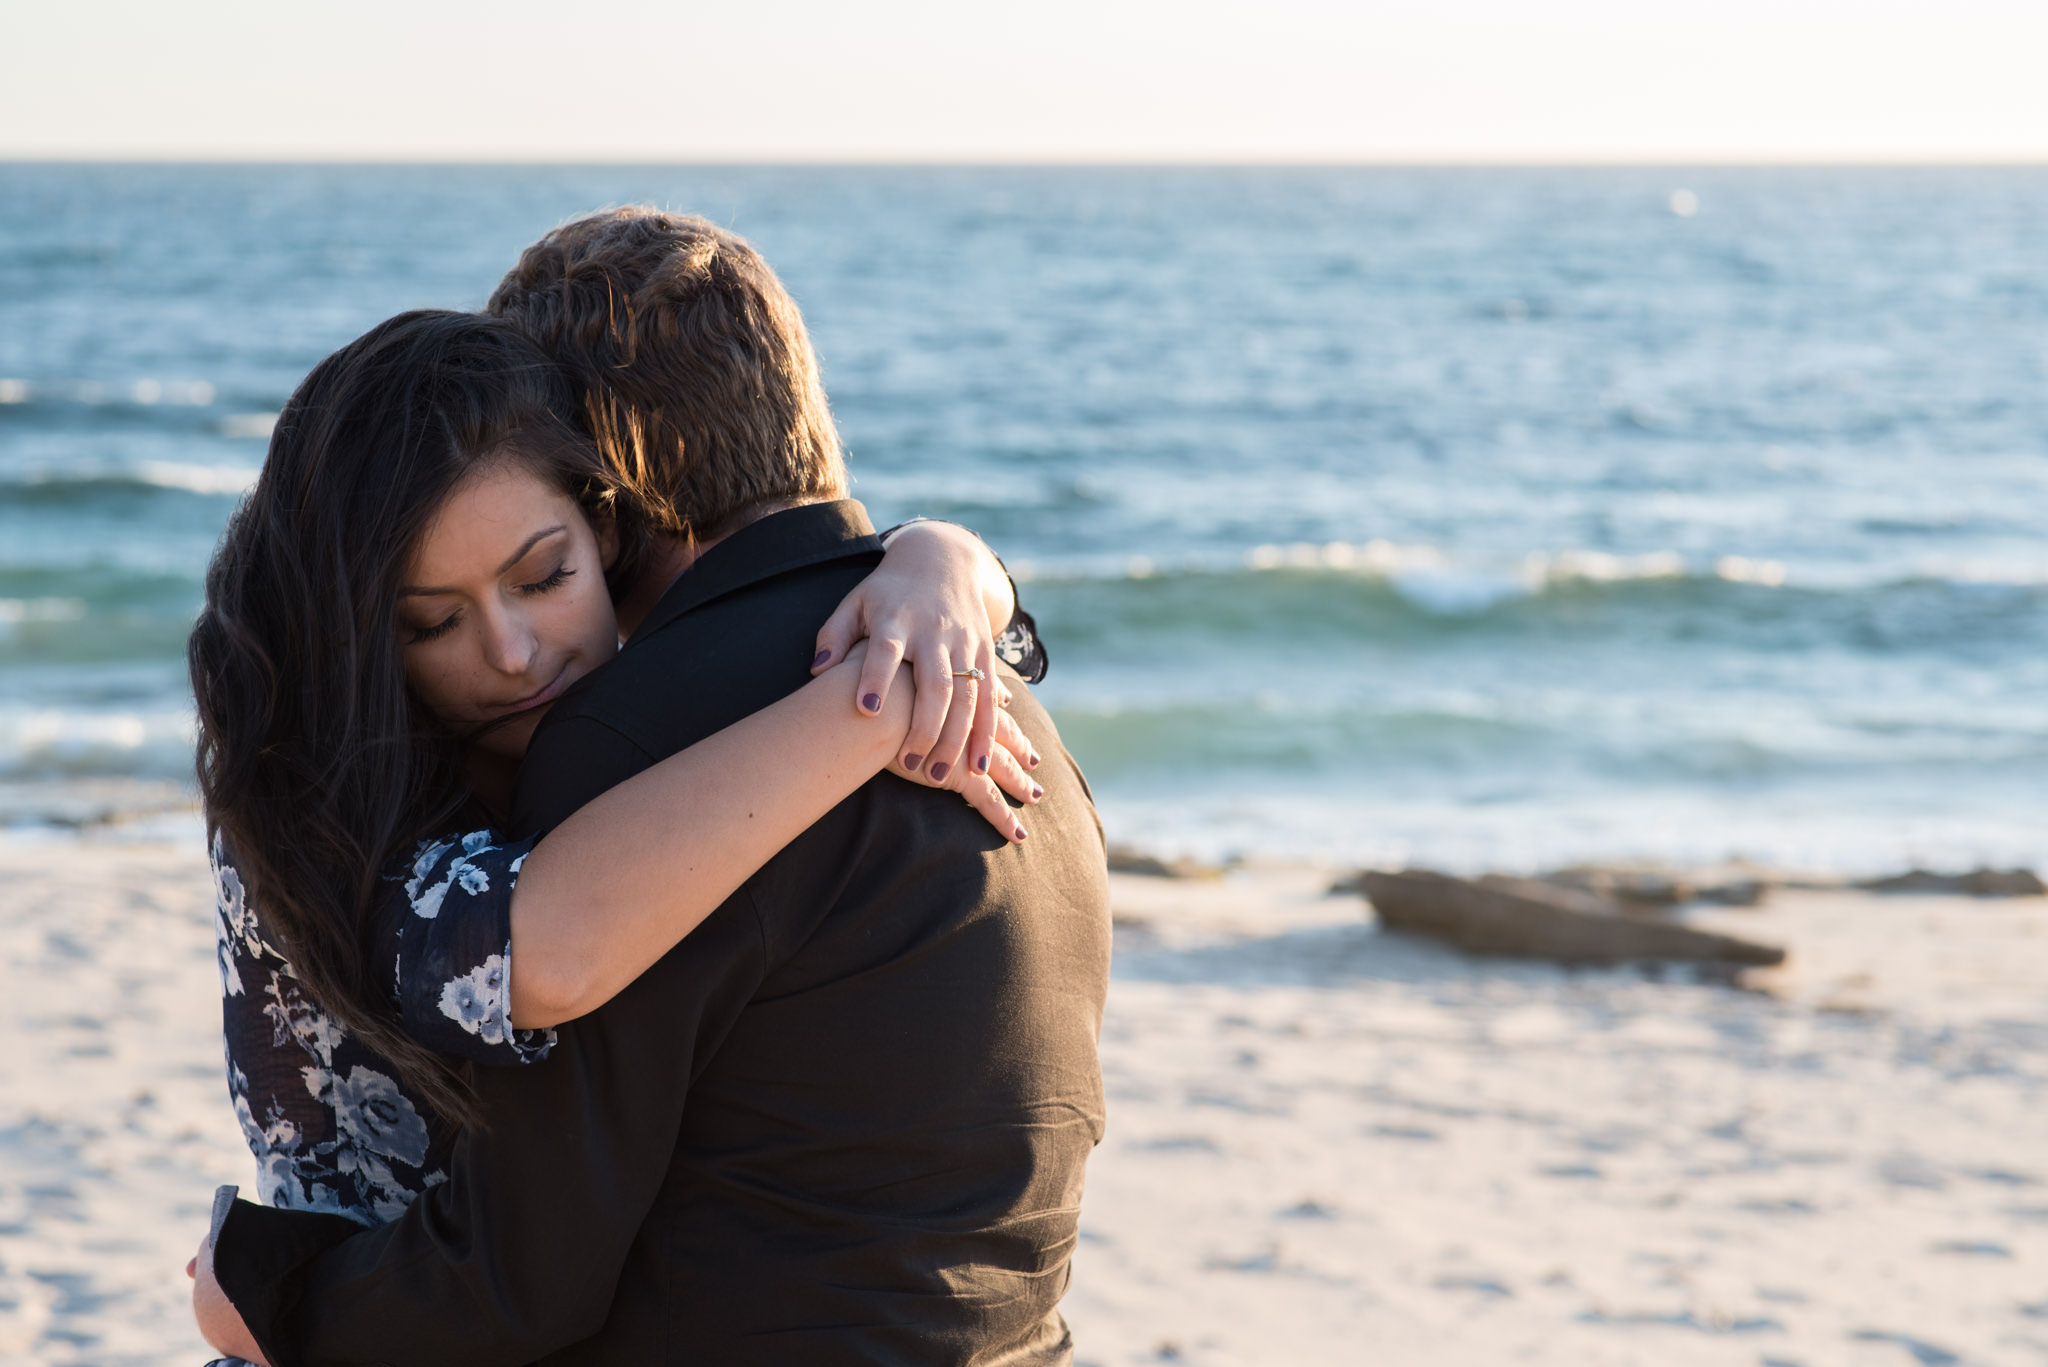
point(672, 556)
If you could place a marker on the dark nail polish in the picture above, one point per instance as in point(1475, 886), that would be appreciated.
point(1036, 792)
point(911, 762)
point(981, 764)
point(1021, 832)
point(1034, 762)
point(823, 656)
point(939, 772)
point(872, 702)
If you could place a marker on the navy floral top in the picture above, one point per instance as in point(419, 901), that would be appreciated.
point(330, 1125)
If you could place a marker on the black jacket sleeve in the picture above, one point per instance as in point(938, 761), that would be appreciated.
point(520, 1251)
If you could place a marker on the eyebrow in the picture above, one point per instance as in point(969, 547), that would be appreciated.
point(510, 560)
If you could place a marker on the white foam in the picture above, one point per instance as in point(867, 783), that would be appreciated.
point(256, 426)
point(1600, 567)
point(197, 479)
point(39, 741)
point(1737, 569)
point(148, 392)
point(17, 610)
point(1376, 557)
point(2018, 574)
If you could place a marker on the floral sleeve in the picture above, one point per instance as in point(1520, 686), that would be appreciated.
point(1020, 646)
point(449, 942)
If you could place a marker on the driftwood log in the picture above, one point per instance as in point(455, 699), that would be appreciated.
point(1528, 919)
point(1977, 883)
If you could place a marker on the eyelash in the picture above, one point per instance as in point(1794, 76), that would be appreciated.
point(560, 576)
point(553, 581)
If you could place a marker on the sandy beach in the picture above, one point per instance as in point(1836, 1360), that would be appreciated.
point(1327, 1144)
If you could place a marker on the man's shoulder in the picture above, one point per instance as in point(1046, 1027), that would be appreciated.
point(733, 636)
point(677, 683)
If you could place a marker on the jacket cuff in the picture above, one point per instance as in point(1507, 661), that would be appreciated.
point(257, 1257)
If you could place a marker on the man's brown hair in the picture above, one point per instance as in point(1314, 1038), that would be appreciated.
point(690, 361)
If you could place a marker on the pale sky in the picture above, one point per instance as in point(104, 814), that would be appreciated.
point(1060, 80)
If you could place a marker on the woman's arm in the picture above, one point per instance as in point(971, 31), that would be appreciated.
point(938, 599)
point(614, 887)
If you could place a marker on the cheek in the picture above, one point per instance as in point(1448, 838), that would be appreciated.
point(584, 623)
point(439, 679)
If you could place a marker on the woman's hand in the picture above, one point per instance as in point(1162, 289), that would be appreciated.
point(220, 1324)
point(1011, 755)
point(937, 600)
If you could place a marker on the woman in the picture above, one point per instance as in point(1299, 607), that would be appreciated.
point(419, 572)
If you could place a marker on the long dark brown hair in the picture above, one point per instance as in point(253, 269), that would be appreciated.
point(316, 764)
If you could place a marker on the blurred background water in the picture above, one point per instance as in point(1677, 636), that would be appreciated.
point(1474, 517)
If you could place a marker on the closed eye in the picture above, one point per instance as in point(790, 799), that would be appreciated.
point(439, 629)
point(554, 581)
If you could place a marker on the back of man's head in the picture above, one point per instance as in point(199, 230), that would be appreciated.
point(691, 362)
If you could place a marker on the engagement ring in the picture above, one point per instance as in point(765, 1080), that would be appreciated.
point(969, 674)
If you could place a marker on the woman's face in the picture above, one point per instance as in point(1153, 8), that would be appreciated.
point(504, 605)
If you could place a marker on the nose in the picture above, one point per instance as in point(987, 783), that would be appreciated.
point(510, 644)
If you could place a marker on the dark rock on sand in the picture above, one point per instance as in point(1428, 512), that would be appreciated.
point(1125, 859)
point(1530, 919)
point(1976, 883)
point(1642, 886)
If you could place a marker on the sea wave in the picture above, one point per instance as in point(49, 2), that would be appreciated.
point(14, 611)
point(86, 481)
point(197, 479)
point(144, 393)
point(1444, 581)
point(57, 742)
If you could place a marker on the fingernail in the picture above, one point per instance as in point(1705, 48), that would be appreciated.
point(1021, 832)
point(872, 702)
point(1034, 762)
point(981, 763)
point(1036, 792)
point(939, 772)
point(911, 762)
point(823, 656)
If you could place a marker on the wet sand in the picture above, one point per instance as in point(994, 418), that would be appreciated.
point(1327, 1145)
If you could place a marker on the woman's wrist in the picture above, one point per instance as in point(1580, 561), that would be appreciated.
point(937, 548)
point(884, 728)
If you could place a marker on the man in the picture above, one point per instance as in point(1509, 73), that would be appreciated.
point(846, 1120)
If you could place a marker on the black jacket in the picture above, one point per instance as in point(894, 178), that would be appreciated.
point(843, 1122)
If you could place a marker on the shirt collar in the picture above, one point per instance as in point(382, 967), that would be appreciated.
point(793, 539)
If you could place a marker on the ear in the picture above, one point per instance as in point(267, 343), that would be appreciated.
point(606, 528)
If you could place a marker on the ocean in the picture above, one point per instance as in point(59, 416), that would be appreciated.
point(1478, 518)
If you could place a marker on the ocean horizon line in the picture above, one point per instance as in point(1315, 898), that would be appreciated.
point(1059, 161)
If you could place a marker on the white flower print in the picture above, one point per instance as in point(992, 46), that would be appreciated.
point(230, 976)
point(234, 921)
point(300, 1021)
point(462, 872)
point(531, 1046)
point(373, 1116)
point(423, 860)
point(478, 1001)
point(330, 1126)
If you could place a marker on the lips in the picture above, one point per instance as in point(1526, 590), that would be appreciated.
point(562, 680)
